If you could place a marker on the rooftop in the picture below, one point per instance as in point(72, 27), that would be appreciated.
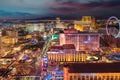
point(73, 31)
point(93, 67)
point(68, 46)
point(65, 46)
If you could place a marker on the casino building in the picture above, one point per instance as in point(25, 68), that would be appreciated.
point(66, 53)
point(83, 41)
point(73, 46)
point(92, 71)
point(87, 23)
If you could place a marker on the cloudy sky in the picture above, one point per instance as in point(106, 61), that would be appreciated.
point(61, 8)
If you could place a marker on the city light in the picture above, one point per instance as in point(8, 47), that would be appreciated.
point(59, 40)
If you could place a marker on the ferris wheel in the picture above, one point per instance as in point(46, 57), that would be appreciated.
point(113, 30)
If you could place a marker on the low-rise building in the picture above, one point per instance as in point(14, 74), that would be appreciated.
point(83, 41)
point(9, 40)
point(66, 53)
point(92, 71)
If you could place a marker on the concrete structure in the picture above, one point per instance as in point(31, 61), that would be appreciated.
point(12, 33)
point(35, 27)
point(112, 41)
point(9, 40)
point(87, 23)
point(80, 57)
point(41, 27)
point(11, 37)
point(89, 71)
point(59, 24)
point(58, 20)
point(83, 41)
point(66, 53)
point(58, 75)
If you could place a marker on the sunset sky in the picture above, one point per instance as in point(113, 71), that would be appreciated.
point(73, 9)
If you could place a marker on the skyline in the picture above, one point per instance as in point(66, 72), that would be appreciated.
point(67, 9)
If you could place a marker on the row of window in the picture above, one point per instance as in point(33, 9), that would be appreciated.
point(94, 78)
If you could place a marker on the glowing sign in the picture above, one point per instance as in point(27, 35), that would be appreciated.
point(45, 58)
point(59, 72)
point(88, 74)
point(54, 52)
point(55, 36)
point(33, 40)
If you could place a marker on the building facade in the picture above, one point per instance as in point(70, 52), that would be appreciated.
point(11, 37)
point(87, 23)
point(82, 41)
point(89, 71)
point(9, 40)
point(64, 57)
point(66, 53)
point(35, 27)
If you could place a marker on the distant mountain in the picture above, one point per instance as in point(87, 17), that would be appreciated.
point(14, 15)
point(60, 16)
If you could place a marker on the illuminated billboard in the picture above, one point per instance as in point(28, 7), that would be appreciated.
point(55, 36)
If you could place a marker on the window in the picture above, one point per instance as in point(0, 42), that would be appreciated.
point(79, 78)
point(70, 77)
